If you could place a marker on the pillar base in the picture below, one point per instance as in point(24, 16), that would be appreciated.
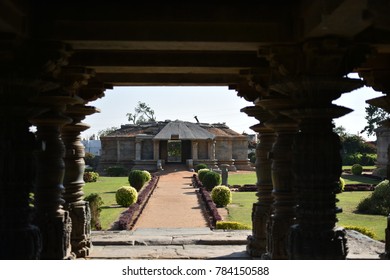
point(57, 238)
point(20, 244)
point(80, 215)
point(257, 242)
point(317, 244)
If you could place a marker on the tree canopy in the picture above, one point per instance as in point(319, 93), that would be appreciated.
point(142, 113)
point(374, 116)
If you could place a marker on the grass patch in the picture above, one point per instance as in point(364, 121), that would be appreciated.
point(241, 208)
point(349, 217)
point(356, 179)
point(106, 187)
point(348, 167)
point(242, 179)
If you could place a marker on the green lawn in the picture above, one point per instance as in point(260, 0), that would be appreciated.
point(355, 179)
point(241, 178)
point(106, 187)
point(241, 208)
point(348, 202)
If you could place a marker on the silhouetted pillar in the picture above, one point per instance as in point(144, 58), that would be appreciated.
point(261, 210)
point(53, 221)
point(138, 145)
point(284, 197)
point(19, 238)
point(313, 74)
point(73, 179)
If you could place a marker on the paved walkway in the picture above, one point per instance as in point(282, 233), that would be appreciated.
point(174, 203)
point(173, 226)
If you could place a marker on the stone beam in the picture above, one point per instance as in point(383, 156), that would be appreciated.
point(123, 79)
point(111, 59)
point(339, 18)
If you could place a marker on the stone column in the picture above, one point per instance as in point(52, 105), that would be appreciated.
point(138, 149)
point(73, 180)
point(313, 74)
point(118, 150)
point(257, 242)
point(156, 149)
point(19, 238)
point(54, 222)
point(195, 150)
point(284, 197)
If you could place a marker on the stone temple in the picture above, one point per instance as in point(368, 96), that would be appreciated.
point(151, 145)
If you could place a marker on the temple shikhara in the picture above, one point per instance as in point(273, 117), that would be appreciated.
point(291, 59)
point(151, 145)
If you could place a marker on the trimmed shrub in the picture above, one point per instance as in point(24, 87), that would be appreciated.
point(357, 169)
point(378, 203)
point(95, 205)
point(200, 166)
point(137, 179)
point(211, 179)
point(201, 173)
point(147, 175)
point(232, 225)
point(362, 230)
point(116, 171)
point(221, 196)
point(126, 196)
point(340, 186)
point(90, 177)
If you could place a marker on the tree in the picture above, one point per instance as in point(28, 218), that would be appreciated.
point(142, 113)
point(107, 131)
point(374, 117)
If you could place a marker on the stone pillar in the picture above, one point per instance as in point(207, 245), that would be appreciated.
point(73, 180)
point(19, 238)
point(284, 197)
point(195, 150)
point(118, 150)
point(225, 174)
point(54, 222)
point(313, 74)
point(138, 149)
point(258, 241)
point(156, 149)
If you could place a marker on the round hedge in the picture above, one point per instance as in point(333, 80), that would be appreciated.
point(211, 179)
point(221, 195)
point(137, 179)
point(147, 175)
point(126, 196)
point(357, 169)
point(200, 166)
point(202, 172)
point(378, 203)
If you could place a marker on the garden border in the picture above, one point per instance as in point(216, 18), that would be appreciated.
point(129, 217)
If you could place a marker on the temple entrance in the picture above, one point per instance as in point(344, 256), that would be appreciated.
point(174, 151)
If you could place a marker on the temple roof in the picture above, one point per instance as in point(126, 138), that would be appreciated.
point(183, 131)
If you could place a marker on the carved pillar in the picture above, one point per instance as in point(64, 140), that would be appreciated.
point(138, 150)
point(73, 179)
point(54, 222)
point(313, 74)
point(19, 238)
point(284, 197)
point(156, 149)
point(30, 70)
point(258, 241)
point(195, 150)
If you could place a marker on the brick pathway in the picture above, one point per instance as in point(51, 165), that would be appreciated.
point(174, 204)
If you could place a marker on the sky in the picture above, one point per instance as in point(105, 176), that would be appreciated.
point(209, 104)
